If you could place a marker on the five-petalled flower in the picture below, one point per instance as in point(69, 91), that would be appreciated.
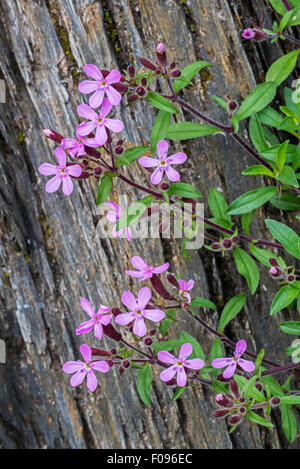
point(101, 86)
point(163, 163)
point(144, 271)
point(85, 369)
point(62, 173)
point(75, 147)
point(102, 317)
point(138, 312)
point(236, 360)
point(248, 34)
point(185, 287)
point(98, 121)
point(179, 364)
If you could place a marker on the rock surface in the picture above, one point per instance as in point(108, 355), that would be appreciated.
point(50, 252)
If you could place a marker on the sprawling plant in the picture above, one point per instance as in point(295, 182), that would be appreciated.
point(245, 387)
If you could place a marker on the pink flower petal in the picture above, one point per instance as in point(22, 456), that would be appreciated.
point(177, 158)
point(72, 367)
point(154, 315)
point(75, 170)
point(115, 207)
point(85, 327)
point(91, 379)
point(86, 352)
point(166, 357)
point(157, 175)
point(113, 96)
point(240, 348)
point(87, 127)
point(68, 185)
point(221, 362)
point(47, 169)
point(185, 351)
point(181, 377)
point(87, 307)
point(162, 149)
point(53, 184)
point(139, 327)
point(161, 268)
point(172, 174)
point(190, 285)
point(144, 296)
point(246, 365)
point(148, 162)
point(114, 125)
point(87, 86)
point(101, 135)
point(97, 98)
point(229, 372)
point(124, 319)
point(101, 366)
point(134, 273)
point(68, 143)
point(98, 331)
point(93, 71)
point(77, 379)
point(139, 263)
point(83, 110)
point(106, 319)
point(113, 77)
point(61, 157)
point(129, 300)
point(128, 233)
point(105, 108)
point(167, 375)
point(194, 364)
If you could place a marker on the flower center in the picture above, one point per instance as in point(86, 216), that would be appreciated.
point(163, 163)
point(179, 363)
point(99, 120)
point(139, 312)
point(87, 366)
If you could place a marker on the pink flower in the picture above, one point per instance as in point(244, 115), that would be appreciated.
point(100, 87)
point(114, 216)
point(85, 369)
point(75, 147)
point(248, 34)
point(163, 163)
point(144, 271)
point(98, 122)
point(160, 47)
point(231, 363)
point(138, 311)
point(62, 173)
point(185, 287)
point(179, 364)
point(96, 321)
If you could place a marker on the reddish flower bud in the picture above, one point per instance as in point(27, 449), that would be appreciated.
point(290, 278)
point(144, 82)
point(260, 35)
point(98, 170)
point(232, 106)
point(132, 98)
point(83, 175)
point(242, 410)
point(227, 244)
point(126, 364)
point(121, 370)
point(53, 135)
point(160, 288)
point(273, 262)
point(175, 73)
point(221, 413)
point(110, 363)
point(172, 66)
point(116, 311)
point(161, 55)
point(111, 332)
point(152, 332)
point(148, 341)
point(99, 352)
point(120, 87)
point(164, 186)
point(234, 388)
point(119, 150)
point(215, 246)
point(259, 386)
point(141, 91)
point(242, 400)
point(173, 281)
point(131, 71)
point(235, 239)
point(224, 401)
point(113, 351)
point(275, 401)
point(148, 64)
point(235, 419)
point(122, 79)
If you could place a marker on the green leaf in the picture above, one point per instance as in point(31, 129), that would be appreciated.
point(290, 400)
point(287, 176)
point(179, 391)
point(130, 155)
point(133, 212)
point(247, 268)
point(248, 387)
point(246, 219)
point(144, 380)
point(292, 18)
point(286, 236)
point(283, 298)
point(104, 188)
point(221, 102)
point(282, 68)
point(257, 133)
point(288, 422)
point(262, 255)
point(251, 200)
point(159, 129)
point(258, 169)
point(183, 189)
point(168, 345)
point(291, 327)
point(255, 418)
point(216, 350)
point(160, 102)
point(257, 100)
point(281, 155)
point(241, 381)
point(203, 303)
point(231, 310)
point(271, 153)
point(278, 6)
point(218, 205)
point(187, 130)
point(269, 116)
point(187, 73)
point(286, 201)
point(168, 321)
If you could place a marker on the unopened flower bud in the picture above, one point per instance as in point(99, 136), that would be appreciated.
point(83, 175)
point(232, 106)
point(113, 351)
point(144, 81)
point(221, 413)
point(119, 150)
point(235, 419)
point(242, 410)
point(131, 71)
point(161, 55)
point(164, 186)
point(148, 64)
point(227, 244)
point(215, 246)
point(99, 352)
point(224, 401)
point(172, 66)
point(121, 370)
point(152, 332)
point(234, 388)
point(235, 239)
point(148, 341)
point(98, 170)
point(242, 400)
point(126, 363)
point(259, 386)
point(275, 401)
point(273, 262)
point(173, 281)
point(110, 363)
point(122, 79)
point(141, 91)
point(175, 73)
point(116, 311)
point(260, 35)
point(53, 135)
point(290, 278)
point(132, 98)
